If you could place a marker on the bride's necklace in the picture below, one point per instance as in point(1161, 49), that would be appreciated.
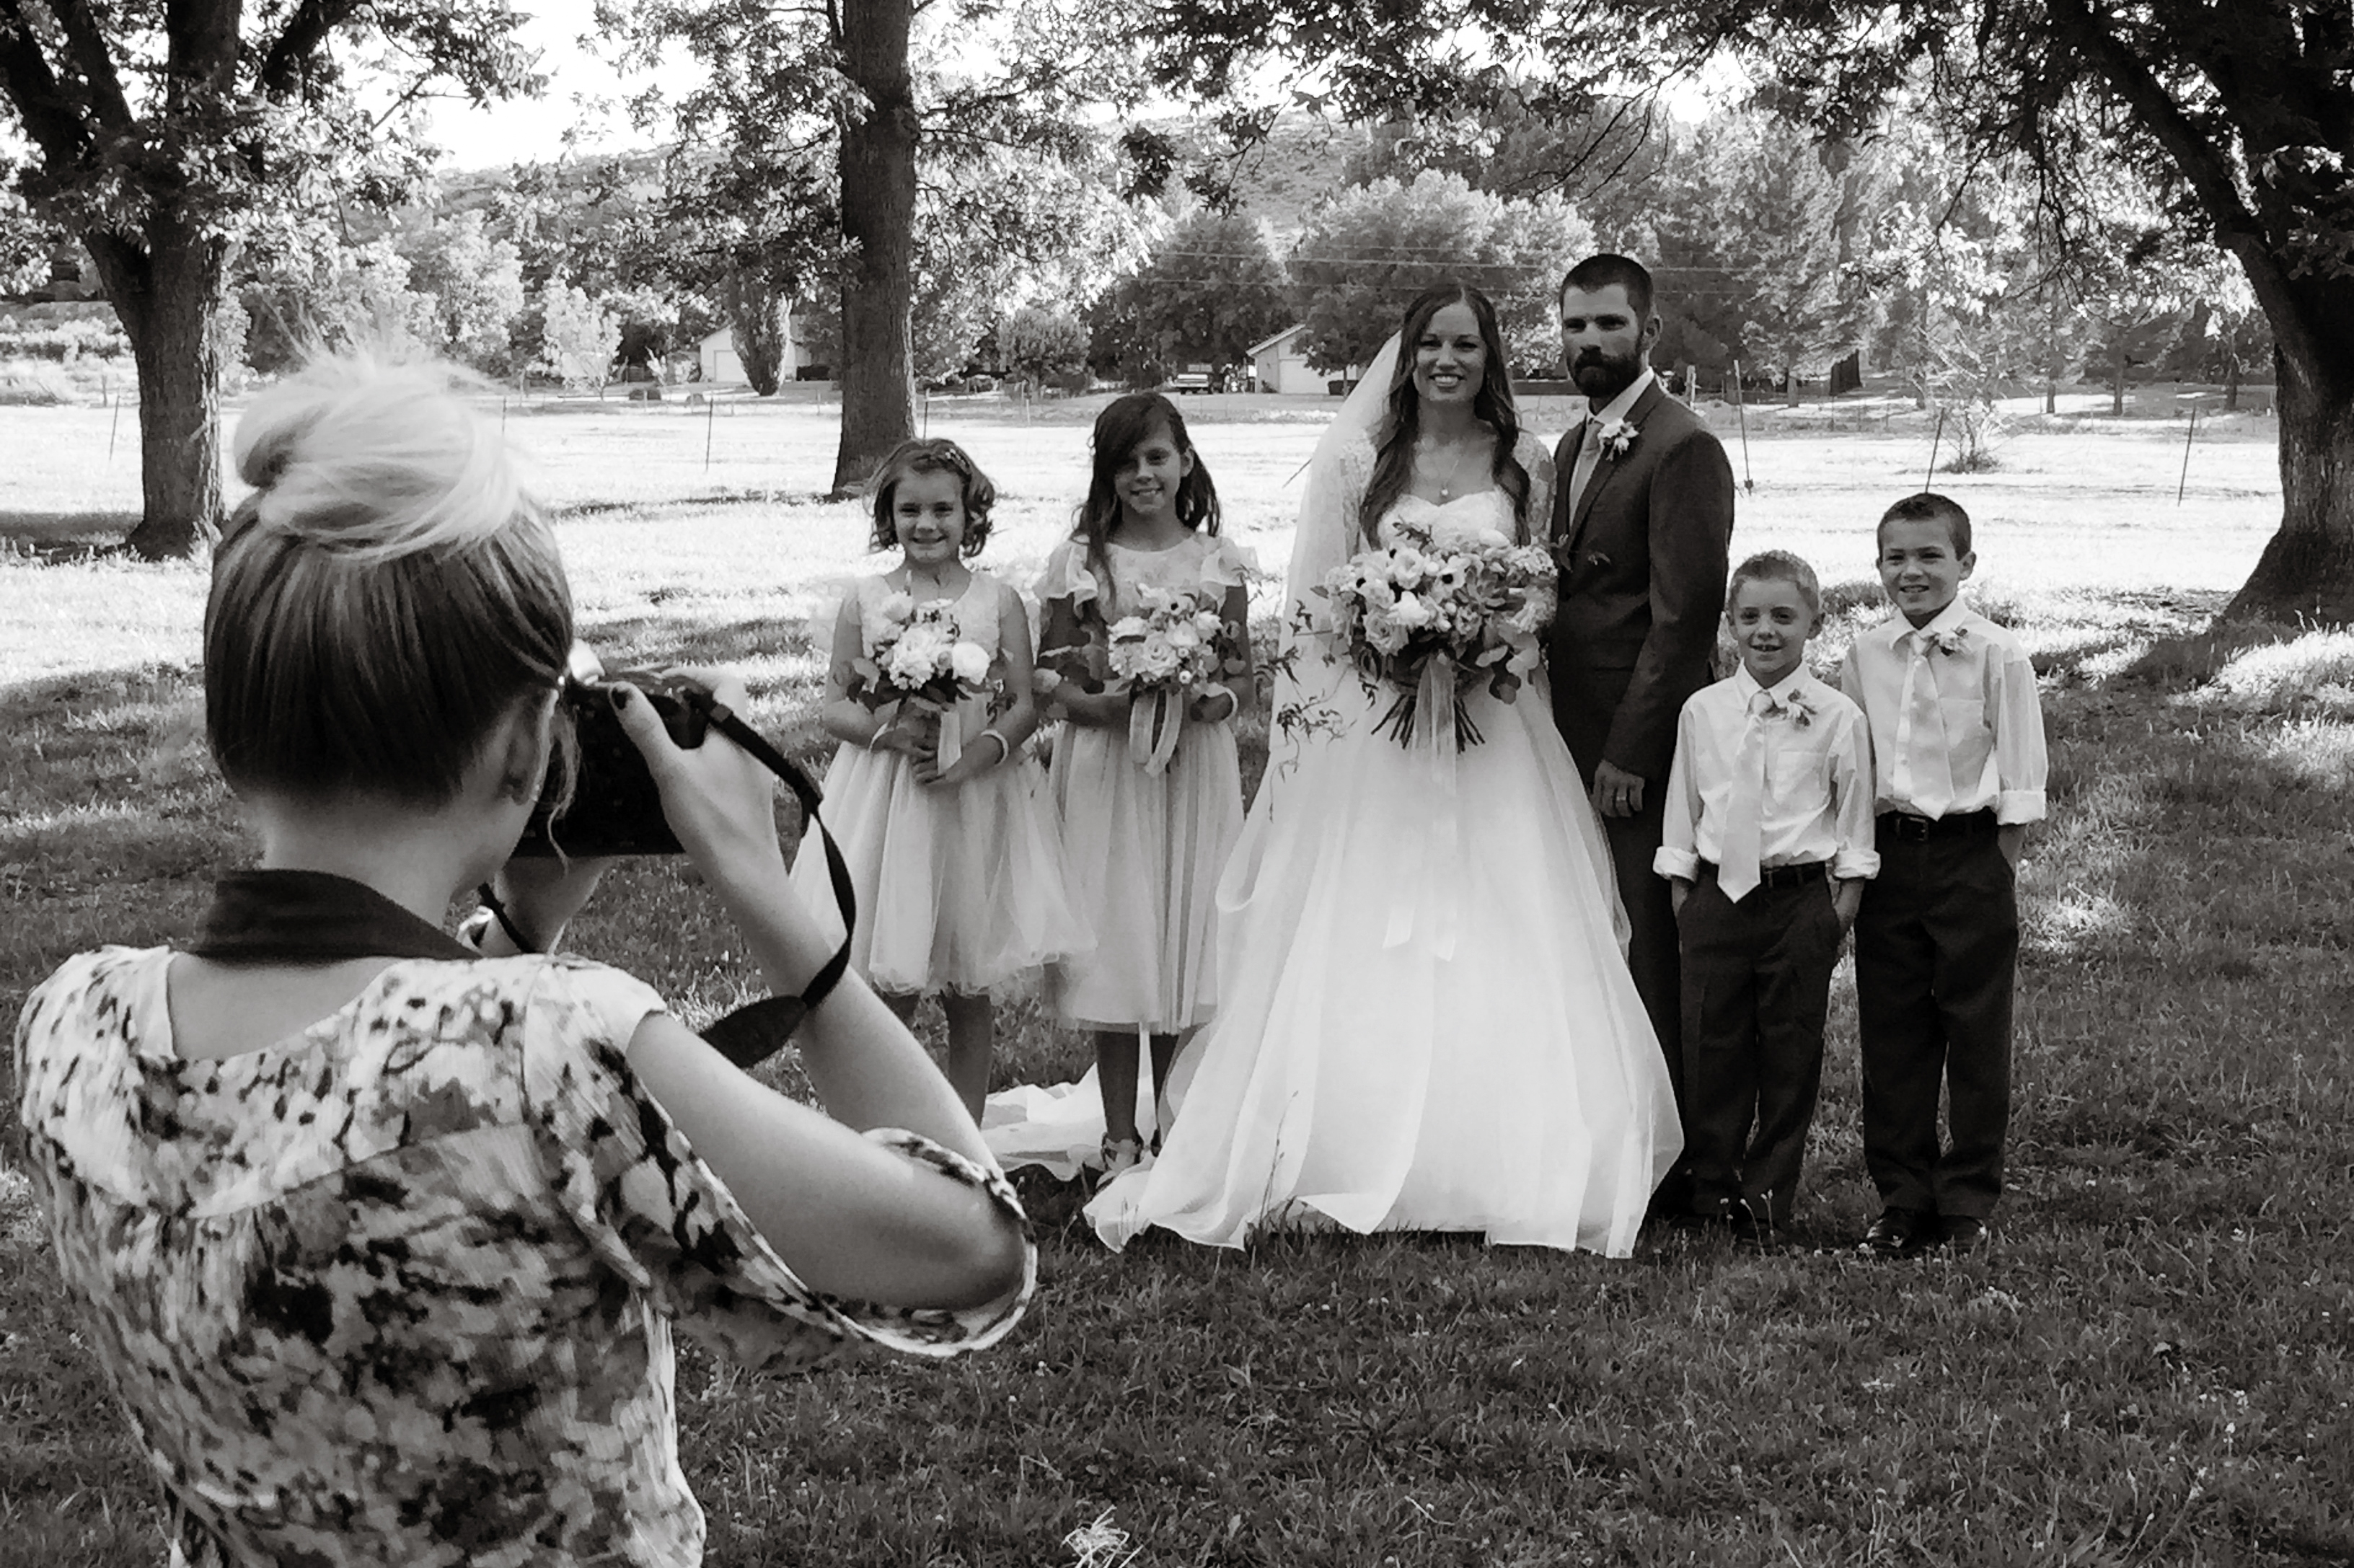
point(1447, 486)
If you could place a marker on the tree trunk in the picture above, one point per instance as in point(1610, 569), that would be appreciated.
point(878, 214)
point(2230, 372)
point(2117, 384)
point(2307, 568)
point(168, 298)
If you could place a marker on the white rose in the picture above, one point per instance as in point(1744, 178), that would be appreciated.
point(971, 663)
point(1411, 612)
point(898, 607)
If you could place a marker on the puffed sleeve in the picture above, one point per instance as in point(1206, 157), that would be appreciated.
point(1226, 565)
point(664, 1221)
point(1067, 576)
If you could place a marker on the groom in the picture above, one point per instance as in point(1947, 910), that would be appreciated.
point(1642, 525)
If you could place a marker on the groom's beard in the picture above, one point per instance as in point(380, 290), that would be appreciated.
point(1602, 376)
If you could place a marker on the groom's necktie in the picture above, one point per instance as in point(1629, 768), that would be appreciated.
point(1740, 853)
point(1923, 778)
point(1589, 455)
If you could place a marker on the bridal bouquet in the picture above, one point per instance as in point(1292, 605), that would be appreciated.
point(920, 662)
point(1177, 645)
point(1430, 622)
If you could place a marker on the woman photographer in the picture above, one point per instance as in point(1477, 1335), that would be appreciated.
point(380, 1237)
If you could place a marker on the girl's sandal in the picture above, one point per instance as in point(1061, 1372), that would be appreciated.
point(1119, 1154)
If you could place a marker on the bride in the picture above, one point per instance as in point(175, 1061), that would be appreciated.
point(1425, 1020)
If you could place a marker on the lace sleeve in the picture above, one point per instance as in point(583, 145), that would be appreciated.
point(1536, 461)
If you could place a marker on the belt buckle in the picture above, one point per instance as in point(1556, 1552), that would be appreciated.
point(1910, 829)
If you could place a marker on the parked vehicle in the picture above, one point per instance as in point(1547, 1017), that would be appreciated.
point(1192, 378)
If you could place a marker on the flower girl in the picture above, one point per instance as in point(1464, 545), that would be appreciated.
point(945, 824)
point(1148, 657)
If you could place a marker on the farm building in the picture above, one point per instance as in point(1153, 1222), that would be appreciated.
point(1280, 364)
point(716, 362)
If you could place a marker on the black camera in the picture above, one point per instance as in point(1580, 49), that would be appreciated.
point(614, 808)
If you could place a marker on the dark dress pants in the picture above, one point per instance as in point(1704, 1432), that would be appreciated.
point(1757, 989)
point(1653, 950)
point(1936, 954)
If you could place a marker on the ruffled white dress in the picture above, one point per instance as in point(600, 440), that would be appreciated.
point(959, 888)
point(1144, 849)
point(1426, 1021)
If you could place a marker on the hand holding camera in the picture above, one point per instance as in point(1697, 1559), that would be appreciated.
point(716, 798)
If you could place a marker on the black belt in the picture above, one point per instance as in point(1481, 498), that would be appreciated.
point(1782, 876)
point(1907, 828)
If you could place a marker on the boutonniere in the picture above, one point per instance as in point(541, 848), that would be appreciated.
point(1949, 641)
point(1794, 707)
point(1617, 438)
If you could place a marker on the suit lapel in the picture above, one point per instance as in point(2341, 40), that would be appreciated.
point(1608, 465)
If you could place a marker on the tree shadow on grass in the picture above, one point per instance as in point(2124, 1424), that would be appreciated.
point(2184, 991)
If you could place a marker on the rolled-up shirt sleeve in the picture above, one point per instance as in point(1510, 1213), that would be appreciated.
point(1852, 789)
point(2020, 761)
point(1678, 856)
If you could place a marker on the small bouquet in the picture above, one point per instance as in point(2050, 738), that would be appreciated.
point(1430, 622)
point(919, 663)
point(1176, 645)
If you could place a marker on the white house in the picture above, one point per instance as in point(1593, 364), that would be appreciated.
point(1280, 364)
point(715, 356)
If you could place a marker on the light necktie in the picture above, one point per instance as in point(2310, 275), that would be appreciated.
point(1589, 456)
point(1924, 780)
point(1742, 845)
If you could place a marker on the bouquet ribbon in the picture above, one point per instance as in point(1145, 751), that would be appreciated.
point(1435, 738)
point(1153, 727)
point(969, 712)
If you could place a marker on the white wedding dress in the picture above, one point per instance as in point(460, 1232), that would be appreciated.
point(1424, 1019)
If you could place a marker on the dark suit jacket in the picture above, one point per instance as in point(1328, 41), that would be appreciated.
point(1642, 588)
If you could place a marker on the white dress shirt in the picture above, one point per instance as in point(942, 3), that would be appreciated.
point(1819, 797)
point(1589, 446)
point(1992, 743)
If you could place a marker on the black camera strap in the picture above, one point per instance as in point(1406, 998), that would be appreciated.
point(758, 1030)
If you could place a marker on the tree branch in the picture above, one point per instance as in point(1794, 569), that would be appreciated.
point(56, 118)
point(290, 54)
point(86, 47)
point(2200, 161)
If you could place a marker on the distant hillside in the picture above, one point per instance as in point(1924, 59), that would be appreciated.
point(1303, 161)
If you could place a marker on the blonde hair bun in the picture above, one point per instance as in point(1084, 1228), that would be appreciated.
point(377, 461)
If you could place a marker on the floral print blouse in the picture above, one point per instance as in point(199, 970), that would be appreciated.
point(400, 1289)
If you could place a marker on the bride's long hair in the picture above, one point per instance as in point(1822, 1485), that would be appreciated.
point(1394, 452)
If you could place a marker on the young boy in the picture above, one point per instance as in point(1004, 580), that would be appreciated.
point(1958, 741)
point(1768, 840)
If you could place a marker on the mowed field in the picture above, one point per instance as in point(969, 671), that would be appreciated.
point(2152, 1364)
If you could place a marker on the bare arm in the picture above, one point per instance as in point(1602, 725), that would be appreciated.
point(1063, 648)
point(851, 1219)
point(845, 718)
point(1237, 685)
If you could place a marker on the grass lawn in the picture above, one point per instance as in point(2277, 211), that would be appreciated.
point(2153, 1363)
